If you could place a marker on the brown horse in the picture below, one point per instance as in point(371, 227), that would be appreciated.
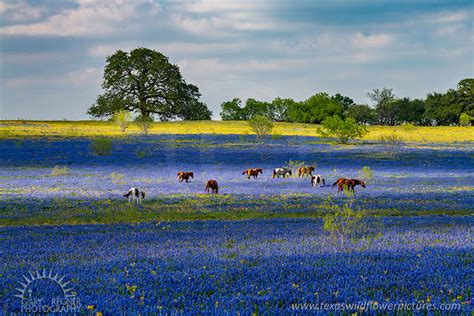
point(347, 183)
point(305, 171)
point(253, 172)
point(185, 176)
point(212, 184)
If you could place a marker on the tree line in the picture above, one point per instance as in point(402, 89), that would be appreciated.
point(454, 107)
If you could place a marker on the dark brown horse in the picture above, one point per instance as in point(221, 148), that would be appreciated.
point(184, 176)
point(212, 185)
point(305, 171)
point(253, 172)
point(350, 184)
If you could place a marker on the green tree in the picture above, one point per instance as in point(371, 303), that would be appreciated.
point(145, 82)
point(465, 119)
point(383, 99)
point(346, 102)
point(362, 113)
point(278, 109)
point(315, 109)
point(144, 123)
point(261, 125)
point(255, 108)
point(443, 108)
point(122, 118)
point(232, 110)
point(342, 130)
point(405, 110)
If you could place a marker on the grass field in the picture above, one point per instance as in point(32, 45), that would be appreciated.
point(27, 129)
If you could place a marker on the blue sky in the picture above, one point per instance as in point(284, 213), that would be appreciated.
point(52, 53)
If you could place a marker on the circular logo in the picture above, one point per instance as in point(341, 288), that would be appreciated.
point(45, 292)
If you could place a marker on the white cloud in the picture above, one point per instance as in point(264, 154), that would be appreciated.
point(449, 17)
point(205, 6)
point(360, 40)
point(86, 77)
point(20, 11)
point(90, 19)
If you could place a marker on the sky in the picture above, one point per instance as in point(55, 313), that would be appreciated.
point(52, 53)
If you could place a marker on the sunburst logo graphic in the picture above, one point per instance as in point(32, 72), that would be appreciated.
point(46, 292)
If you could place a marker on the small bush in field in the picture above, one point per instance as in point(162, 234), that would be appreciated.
point(365, 173)
point(59, 171)
point(342, 129)
point(117, 178)
point(122, 119)
point(261, 125)
point(144, 123)
point(101, 146)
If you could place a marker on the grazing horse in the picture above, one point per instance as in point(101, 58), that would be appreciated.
point(212, 184)
point(305, 171)
point(253, 172)
point(284, 172)
point(135, 194)
point(348, 183)
point(184, 176)
point(317, 180)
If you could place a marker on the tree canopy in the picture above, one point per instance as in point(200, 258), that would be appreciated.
point(146, 83)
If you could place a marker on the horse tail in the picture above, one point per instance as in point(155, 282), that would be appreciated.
point(335, 183)
point(274, 173)
point(128, 193)
point(245, 171)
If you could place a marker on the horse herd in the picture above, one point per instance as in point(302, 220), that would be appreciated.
point(303, 171)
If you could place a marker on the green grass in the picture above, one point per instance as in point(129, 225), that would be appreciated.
point(172, 208)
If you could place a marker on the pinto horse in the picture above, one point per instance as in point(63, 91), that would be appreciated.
point(284, 172)
point(212, 185)
point(135, 194)
point(347, 183)
point(184, 176)
point(305, 171)
point(253, 172)
point(317, 180)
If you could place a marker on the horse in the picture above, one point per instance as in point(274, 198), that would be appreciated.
point(212, 184)
point(348, 183)
point(184, 176)
point(253, 172)
point(317, 180)
point(135, 194)
point(305, 171)
point(285, 172)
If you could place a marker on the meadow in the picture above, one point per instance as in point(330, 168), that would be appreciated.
point(260, 246)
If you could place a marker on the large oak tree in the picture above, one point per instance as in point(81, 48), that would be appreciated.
point(145, 82)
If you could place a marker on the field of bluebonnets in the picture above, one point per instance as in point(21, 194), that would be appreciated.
point(259, 246)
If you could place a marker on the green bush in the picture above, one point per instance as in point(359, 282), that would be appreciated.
point(101, 146)
point(342, 130)
point(144, 123)
point(122, 119)
point(261, 125)
point(465, 119)
point(365, 173)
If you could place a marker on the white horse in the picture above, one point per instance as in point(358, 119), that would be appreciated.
point(135, 194)
point(317, 180)
point(278, 172)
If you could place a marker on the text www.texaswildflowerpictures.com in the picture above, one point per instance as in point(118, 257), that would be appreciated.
point(376, 306)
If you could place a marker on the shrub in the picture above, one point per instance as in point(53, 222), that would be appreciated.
point(122, 119)
point(344, 222)
point(365, 173)
point(465, 119)
point(59, 171)
point(343, 130)
point(295, 165)
point(261, 125)
point(101, 146)
point(391, 139)
point(144, 123)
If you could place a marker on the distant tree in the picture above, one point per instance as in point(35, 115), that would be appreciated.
point(405, 110)
point(254, 107)
point(342, 130)
point(122, 118)
point(145, 82)
point(314, 109)
point(443, 108)
point(261, 125)
point(465, 92)
point(383, 101)
point(232, 110)
point(362, 113)
point(193, 109)
point(144, 123)
point(346, 102)
point(278, 109)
